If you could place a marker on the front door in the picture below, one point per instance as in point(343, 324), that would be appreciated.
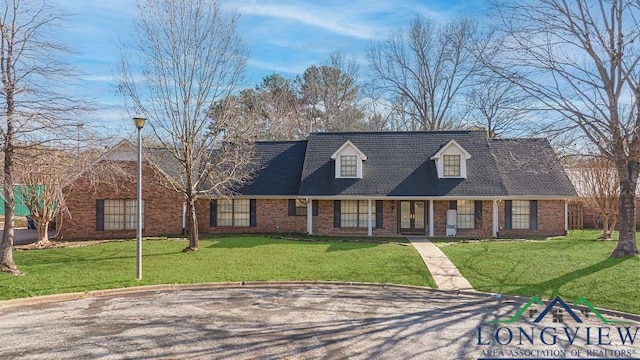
point(412, 217)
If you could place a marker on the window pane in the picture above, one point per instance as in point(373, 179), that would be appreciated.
point(225, 212)
point(131, 214)
point(451, 165)
point(466, 214)
point(241, 219)
point(235, 212)
point(121, 214)
point(114, 211)
point(348, 166)
point(225, 219)
point(349, 213)
point(362, 220)
point(224, 205)
point(520, 214)
point(241, 206)
point(301, 207)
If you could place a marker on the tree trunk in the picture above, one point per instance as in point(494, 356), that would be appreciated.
point(43, 234)
point(192, 225)
point(614, 223)
point(6, 248)
point(627, 233)
point(605, 228)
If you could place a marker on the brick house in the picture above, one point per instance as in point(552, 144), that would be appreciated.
point(456, 183)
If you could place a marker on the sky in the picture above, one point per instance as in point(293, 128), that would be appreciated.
point(282, 36)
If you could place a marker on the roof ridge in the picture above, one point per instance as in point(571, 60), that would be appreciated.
point(280, 141)
point(399, 132)
point(519, 139)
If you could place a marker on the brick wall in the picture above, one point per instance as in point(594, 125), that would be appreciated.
point(162, 206)
point(324, 225)
point(550, 220)
point(272, 217)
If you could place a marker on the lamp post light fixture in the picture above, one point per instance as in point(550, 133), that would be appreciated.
point(139, 122)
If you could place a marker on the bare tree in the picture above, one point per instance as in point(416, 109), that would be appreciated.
point(190, 57)
point(42, 179)
point(581, 59)
point(497, 106)
point(596, 181)
point(35, 111)
point(426, 69)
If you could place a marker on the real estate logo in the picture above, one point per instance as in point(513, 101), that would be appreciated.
point(578, 332)
point(558, 315)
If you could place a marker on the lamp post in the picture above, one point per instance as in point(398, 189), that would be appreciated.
point(139, 122)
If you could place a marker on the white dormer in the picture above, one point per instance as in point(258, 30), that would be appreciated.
point(348, 159)
point(451, 161)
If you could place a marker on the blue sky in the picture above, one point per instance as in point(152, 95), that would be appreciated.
point(282, 36)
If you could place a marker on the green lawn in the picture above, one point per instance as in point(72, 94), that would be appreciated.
point(251, 258)
point(578, 265)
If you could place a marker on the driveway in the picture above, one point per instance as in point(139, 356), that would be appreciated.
point(23, 236)
point(258, 322)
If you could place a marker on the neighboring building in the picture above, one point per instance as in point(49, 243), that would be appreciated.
point(383, 183)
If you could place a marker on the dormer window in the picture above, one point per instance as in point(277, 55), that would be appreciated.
point(451, 165)
point(348, 166)
point(348, 159)
point(451, 161)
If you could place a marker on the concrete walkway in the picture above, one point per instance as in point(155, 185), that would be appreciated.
point(445, 274)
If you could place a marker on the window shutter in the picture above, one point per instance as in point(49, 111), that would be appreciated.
point(213, 213)
point(314, 205)
point(336, 214)
point(508, 211)
point(379, 215)
point(453, 205)
point(533, 214)
point(292, 207)
point(252, 212)
point(477, 218)
point(99, 215)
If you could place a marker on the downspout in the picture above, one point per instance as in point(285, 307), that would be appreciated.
point(309, 216)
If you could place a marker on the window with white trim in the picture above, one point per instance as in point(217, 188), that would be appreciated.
point(451, 165)
point(354, 213)
point(466, 214)
point(348, 166)
point(520, 214)
point(121, 214)
point(234, 212)
point(348, 161)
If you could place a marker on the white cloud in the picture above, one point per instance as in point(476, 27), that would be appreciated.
point(345, 19)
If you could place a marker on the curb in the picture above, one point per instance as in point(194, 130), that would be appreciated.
point(48, 299)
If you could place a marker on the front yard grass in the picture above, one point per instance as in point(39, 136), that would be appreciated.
point(573, 266)
point(225, 259)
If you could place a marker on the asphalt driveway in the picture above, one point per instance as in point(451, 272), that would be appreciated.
point(23, 236)
point(262, 322)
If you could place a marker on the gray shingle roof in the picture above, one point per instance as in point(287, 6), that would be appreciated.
point(280, 167)
point(530, 167)
point(399, 164)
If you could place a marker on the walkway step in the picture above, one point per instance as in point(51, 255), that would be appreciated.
point(445, 274)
